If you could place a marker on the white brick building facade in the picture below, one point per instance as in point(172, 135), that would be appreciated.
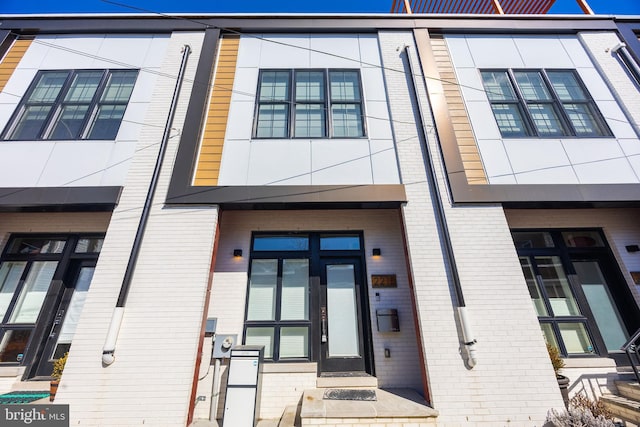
point(314, 148)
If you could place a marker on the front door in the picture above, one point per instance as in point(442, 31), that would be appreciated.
point(341, 338)
point(596, 277)
point(74, 293)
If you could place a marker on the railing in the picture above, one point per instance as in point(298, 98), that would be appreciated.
point(632, 346)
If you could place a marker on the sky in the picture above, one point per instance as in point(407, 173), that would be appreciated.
point(602, 7)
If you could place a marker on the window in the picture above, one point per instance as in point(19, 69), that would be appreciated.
point(309, 104)
point(72, 105)
point(576, 290)
point(542, 103)
point(303, 287)
point(278, 307)
point(44, 280)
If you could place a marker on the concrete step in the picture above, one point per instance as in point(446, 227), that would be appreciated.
point(393, 407)
point(346, 380)
point(630, 390)
point(31, 386)
point(621, 407)
point(290, 417)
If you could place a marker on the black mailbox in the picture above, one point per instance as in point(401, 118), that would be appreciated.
point(388, 320)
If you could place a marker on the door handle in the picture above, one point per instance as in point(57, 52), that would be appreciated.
point(59, 316)
point(56, 322)
point(323, 324)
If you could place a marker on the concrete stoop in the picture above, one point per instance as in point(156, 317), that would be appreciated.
point(626, 404)
point(397, 407)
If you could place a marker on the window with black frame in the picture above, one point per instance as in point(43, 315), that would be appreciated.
point(576, 290)
point(309, 104)
point(277, 313)
point(44, 280)
point(542, 103)
point(72, 105)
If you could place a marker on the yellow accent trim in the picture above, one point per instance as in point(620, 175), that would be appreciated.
point(210, 155)
point(469, 153)
point(12, 59)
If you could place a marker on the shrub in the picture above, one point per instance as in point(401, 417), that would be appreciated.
point(556, 358)
point(596, 407)
point(574, 417)
point(582, 412)
point(58, 366)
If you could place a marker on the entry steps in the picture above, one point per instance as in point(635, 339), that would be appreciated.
point(624, 405)
point(347, 398)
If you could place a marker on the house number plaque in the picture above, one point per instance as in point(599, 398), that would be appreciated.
point(384, 281)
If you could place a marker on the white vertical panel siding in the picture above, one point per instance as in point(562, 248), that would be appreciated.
point(511, 350)
point(562, 160)
point(305, 161)
point(151, 379)
point(80, 163)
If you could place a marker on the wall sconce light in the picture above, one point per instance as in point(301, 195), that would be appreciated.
point(632, 248)
point(377, 252)
point(237, 253)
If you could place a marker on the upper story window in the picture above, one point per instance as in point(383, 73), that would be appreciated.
point(542, 103)
point(72, 105)
point(309, 104)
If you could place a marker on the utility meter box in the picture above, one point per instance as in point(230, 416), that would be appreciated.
point(244, 386)
point(223, 345)
point(388, 320)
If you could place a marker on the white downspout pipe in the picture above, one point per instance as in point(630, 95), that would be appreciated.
point(465, 324)
point(109, 347)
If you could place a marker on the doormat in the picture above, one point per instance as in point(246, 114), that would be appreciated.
point(347, 394)
point(18, 397)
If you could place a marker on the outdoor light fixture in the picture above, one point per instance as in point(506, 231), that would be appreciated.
point(377, 252)
point(632, 248)
point(237, 253)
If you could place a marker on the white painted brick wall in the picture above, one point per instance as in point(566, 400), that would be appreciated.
point(511, 349)
point(381, 230)
point(599, 46)
point(151, 380)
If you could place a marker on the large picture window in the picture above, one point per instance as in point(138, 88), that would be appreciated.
point(581, 300)
point(306, 296)
point(309, 104)
point(44, 280)
point(277, 314)
point(72, 105)
point(542, 103)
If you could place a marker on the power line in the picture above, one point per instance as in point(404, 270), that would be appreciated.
point(163, 74)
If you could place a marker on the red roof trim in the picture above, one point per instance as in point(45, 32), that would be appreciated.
point(512, 7)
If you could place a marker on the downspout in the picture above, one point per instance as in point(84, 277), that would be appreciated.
point(621, 50)
point(443, 228)
point(109, 347)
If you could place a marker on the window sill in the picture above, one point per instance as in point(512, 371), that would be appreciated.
point(589, 362)
point(287, 368)
point(11, 371)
